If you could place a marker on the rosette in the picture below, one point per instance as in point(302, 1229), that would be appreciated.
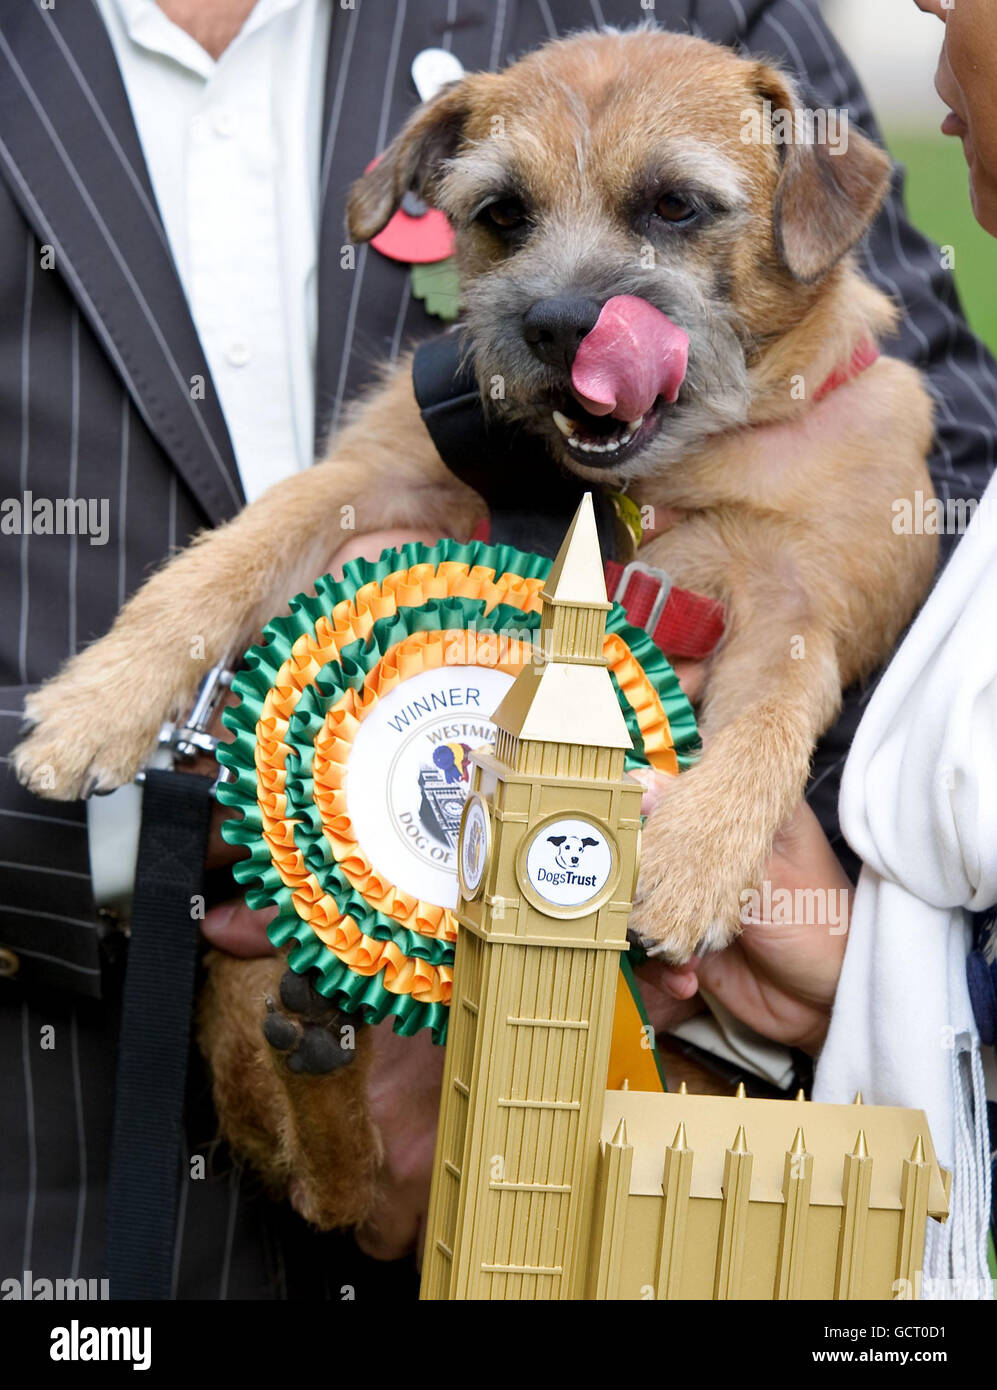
point(357, 717)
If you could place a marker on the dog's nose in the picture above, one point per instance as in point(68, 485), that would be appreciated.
point(555, 327)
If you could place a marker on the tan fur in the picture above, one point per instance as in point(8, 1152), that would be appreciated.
point(215, 596)
point(309, 1137)
point(784, 505)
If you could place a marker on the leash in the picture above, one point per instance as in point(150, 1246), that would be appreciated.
point(157, 1009)
point(143, 1188)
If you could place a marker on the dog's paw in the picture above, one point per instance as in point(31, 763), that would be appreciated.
point(679, 912)
point(689, 892)
point(306, 1030)
point(84, 736)
point(94, 725)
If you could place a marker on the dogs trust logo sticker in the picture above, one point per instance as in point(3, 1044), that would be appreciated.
point(569, 862)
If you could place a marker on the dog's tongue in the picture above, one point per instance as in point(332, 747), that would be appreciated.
point(633, 355)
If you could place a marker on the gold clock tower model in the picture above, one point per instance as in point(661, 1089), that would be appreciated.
point(546, 1183)
point(548, 856)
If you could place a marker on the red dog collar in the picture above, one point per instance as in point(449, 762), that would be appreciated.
point(864, 356)
point(681, 623)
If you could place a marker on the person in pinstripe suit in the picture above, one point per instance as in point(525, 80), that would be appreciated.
point(97, 351)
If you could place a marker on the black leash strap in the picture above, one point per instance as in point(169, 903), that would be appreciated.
point(531, 500)
point(153, 1044)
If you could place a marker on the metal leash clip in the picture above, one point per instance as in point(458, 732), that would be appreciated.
point(181, 741)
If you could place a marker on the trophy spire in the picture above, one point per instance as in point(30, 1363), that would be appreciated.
point(576, 575)
point(566, 694)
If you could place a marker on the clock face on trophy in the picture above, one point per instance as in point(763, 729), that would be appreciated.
point(474, 846)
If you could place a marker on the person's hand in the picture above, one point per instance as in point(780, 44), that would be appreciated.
point(237, 929)
point(691, 677)
point(230, 926)
point(780, 975)
point(403, 1092)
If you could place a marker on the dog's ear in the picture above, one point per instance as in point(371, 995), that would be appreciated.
point(410, 163)
point(557, 839)
point(827, 194)
point(588, 841)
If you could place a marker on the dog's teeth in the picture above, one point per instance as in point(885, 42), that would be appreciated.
point(590, 446)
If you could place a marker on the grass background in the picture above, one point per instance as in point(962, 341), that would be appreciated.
point(938, 200)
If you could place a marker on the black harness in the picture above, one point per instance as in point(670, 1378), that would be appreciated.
point(531, 500)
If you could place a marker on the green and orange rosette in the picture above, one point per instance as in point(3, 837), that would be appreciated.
point(376, 947)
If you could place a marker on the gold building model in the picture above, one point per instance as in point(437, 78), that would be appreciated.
point(545, 1184)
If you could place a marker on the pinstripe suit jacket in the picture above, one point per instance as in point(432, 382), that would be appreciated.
point(97, 355)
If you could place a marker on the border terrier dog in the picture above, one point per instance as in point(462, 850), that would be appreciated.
point(608, 169)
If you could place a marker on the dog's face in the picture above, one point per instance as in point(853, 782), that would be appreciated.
point(570, 849)
point(614, 167)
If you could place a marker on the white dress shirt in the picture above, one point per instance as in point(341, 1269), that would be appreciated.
point(233, 149)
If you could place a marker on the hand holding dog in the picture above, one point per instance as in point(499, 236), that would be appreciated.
point(778, 978)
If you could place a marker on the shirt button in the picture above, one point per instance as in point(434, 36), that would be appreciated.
point(224, 122)
point(9, 963)
point(238, 353)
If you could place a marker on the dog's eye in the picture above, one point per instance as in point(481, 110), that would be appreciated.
point(507, 215)
point(671, 207)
